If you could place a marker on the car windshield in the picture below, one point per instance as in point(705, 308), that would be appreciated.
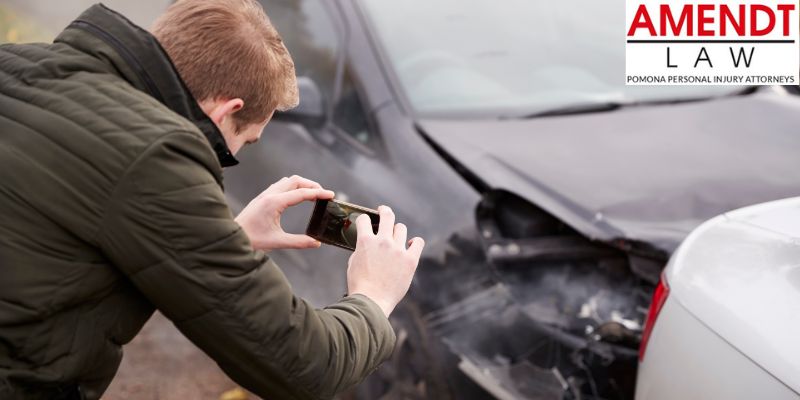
point(512, 58)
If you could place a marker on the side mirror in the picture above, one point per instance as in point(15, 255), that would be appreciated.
point(311, 109)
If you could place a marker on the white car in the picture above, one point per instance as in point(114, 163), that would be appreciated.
point(725, 319)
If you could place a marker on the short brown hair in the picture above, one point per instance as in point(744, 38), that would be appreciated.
point(229, 49)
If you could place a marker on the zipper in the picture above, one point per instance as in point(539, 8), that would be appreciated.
point(123, 51)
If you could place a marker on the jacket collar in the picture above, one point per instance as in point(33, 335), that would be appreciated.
point(139, 58)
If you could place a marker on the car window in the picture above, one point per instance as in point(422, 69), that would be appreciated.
point(312, 37)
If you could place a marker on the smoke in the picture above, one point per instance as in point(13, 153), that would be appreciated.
point(544, 314)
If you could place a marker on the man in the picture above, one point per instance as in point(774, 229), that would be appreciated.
point(111, 206)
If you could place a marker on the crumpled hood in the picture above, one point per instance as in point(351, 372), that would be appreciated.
point(649, 173)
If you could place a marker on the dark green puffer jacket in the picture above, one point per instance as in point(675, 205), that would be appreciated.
point(111, 206)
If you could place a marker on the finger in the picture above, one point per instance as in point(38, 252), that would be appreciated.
point(400, 234)
point(297, 196)
point(386, 226)
point(415, 249)
point(292, 183)
point(364, 226)
point(294, 241)
point(277, 187)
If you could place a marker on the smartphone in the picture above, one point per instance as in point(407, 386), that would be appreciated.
point(334, 222)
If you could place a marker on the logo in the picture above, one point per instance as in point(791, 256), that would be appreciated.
point(718, 42)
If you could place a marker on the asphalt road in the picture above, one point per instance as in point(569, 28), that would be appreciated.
point(160, 363)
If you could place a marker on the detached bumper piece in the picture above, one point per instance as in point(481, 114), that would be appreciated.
point(510, 354)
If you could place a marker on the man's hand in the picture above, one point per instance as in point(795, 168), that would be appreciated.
point(381, 267)
point(261, 219)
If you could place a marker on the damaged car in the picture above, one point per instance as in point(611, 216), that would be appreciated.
point(551, 195)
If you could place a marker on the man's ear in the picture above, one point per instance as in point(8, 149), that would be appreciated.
point(223, 109)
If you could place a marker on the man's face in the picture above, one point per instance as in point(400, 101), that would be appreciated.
point(222, 113)
point(248, 134)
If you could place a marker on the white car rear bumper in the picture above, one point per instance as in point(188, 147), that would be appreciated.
point(685, 361)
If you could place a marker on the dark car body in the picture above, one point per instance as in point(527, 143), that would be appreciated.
point(545, 235)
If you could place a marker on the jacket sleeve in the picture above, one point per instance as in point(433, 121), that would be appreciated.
point(168, 228)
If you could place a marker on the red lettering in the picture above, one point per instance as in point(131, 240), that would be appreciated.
point(785, 10)
point(668, 18)
point(725, 16)
point(708, 20)
point(702, 20)
point(642, 20)
point(754, 9)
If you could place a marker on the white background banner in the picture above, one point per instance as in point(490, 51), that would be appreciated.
point(759, 46)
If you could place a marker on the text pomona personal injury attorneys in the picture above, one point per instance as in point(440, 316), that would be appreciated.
point(712, 42)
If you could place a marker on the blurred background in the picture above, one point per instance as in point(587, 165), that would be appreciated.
point(42, 20)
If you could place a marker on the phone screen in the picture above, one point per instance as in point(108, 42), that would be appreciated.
point(334, 222)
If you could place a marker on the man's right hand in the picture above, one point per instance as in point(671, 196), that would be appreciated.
point(381, 267)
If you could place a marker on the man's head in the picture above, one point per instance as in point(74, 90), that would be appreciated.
point(233, 61)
